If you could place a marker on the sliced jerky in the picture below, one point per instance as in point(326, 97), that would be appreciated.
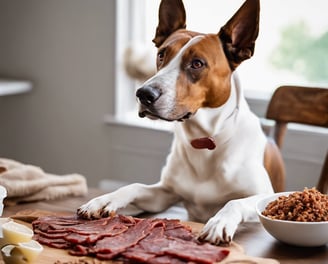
point(198, 253)
point(129, 239)
point(53, 242)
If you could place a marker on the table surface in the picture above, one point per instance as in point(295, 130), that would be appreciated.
point(251, 236)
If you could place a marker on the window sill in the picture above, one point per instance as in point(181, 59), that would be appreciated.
point(11, 87)
point(257, 101)
point(131, 119)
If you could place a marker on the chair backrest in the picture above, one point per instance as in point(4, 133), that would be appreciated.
point(303, 105)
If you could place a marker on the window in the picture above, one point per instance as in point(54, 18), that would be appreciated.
point(292, 47)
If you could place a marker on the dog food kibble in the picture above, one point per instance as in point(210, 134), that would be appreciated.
point(307, 206)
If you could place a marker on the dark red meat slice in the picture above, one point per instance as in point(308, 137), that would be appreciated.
point(51, 235)
point(80, 250)
point(53, 242)
point(118, 244)
point(199, 253)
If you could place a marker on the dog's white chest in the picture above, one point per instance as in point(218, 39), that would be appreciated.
point(207, 179)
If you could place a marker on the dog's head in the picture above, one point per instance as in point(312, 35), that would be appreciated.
point(194, 69)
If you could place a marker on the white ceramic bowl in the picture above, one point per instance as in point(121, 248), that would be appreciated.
point(3, 195)
point(306, 234)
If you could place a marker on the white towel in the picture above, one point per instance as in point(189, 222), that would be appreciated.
point(27, 183)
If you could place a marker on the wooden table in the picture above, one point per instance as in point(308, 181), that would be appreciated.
point(255, 240)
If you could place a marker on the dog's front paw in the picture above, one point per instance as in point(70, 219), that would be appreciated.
point(221, 227)
point(218, 231)
point(101, 206)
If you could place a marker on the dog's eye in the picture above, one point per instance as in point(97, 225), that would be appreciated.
point(197, 64)
point(160, 56)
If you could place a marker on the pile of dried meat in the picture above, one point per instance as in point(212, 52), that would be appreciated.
point(126, 238)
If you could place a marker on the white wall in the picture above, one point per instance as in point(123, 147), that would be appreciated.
point(66, 48)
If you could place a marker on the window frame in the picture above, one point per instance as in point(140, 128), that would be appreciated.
point(126, 32)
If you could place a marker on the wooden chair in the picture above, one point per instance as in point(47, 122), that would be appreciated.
point(303, 105)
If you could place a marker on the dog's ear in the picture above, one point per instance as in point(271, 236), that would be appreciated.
point(172, 16)
point(240, 32)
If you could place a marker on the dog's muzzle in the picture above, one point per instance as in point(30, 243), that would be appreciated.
point(148, 95)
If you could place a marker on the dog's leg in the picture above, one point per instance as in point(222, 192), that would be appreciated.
point(222, 226)
point(131, 199)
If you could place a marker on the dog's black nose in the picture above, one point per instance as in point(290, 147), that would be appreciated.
point(148, 95)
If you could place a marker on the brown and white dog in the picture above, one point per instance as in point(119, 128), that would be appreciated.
point(220, 159)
